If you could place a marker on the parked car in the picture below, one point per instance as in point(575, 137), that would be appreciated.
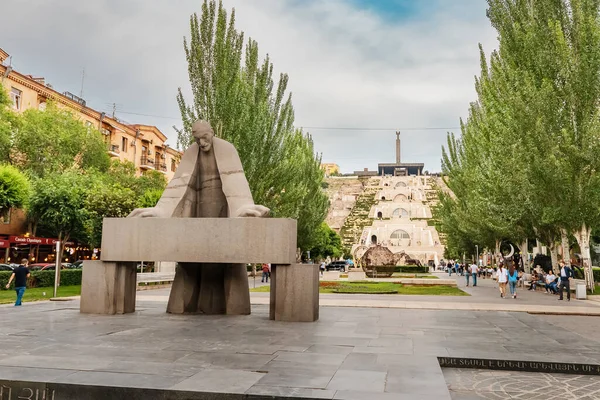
point(336, 266)
point(44, 267)
point(52, 267)
point(6, 267)
point(76, 265)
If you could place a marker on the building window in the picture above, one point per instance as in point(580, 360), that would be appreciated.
point(173, 165)
point(17, 97)
point(88, 123)
point(124, 145)
point(105, 131)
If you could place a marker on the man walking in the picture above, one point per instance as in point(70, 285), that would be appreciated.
point(20, 275)
point(566, 273)
point(474, 272)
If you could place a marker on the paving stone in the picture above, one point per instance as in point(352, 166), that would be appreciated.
point(365, 381)
point(291, 392)
point(120, 379)
point(220, 380)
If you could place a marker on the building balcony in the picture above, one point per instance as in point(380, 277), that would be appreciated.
point(162, 168)
point(147, 163)
point(113, 150)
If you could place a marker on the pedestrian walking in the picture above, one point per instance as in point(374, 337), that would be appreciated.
point(468, 275)
point(265, 273)
point(566, 273)
point(20, 275)
point(513, 278)
point(474, 272)
point(322, 267)
point(502, 275)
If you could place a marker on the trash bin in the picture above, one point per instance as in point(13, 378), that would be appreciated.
point(580, 291)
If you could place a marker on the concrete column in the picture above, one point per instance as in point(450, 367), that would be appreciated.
point(108, 287)
point(294, 293)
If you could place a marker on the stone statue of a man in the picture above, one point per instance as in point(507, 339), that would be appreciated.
point(209, 183)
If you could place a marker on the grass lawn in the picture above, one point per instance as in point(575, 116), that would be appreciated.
point(381, 288)
point(36, 294)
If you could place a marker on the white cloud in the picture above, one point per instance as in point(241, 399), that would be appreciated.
point(348, 67)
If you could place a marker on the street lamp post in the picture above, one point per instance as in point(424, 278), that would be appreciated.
point(477, 250)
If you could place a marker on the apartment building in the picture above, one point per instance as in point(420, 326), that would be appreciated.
point(145, 146)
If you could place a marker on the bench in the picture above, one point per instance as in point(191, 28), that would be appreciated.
point(109, 285)
point(574, 283)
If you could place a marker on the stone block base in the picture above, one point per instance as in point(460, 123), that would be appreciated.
point(108, 287)
point(358, 275)
point(331, 276)
point(295, 293)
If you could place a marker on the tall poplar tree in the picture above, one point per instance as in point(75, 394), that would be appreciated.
point(530, 148)
point(235, 91)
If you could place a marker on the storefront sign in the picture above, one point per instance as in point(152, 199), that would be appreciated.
point(35, 240)
point(4, 244)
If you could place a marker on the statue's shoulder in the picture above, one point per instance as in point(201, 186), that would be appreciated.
point(223, 145)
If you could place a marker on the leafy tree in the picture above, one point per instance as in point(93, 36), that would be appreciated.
point(8, 122)
point(53, 140)
point(327, 243)
point(105, 201)
point(149, 198)
point(236, 93)
point(57, 205)
point(14, 189)
point(123, 174)
point(527, 162)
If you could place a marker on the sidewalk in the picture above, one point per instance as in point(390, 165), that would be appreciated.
point(484, 297)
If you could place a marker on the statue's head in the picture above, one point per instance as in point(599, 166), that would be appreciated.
point(203, 133)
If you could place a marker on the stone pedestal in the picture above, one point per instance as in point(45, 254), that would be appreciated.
point(108, 287)
point(357, 275)
point(295, 293)
point(331, 276)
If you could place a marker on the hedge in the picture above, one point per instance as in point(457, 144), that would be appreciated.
point(578, 272)
point(68, 277)
point(414, 269)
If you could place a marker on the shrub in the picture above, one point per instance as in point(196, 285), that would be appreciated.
point(68, 277)
point(578, 273)
point(414, 269)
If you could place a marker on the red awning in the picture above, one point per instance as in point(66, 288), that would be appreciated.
point(35, 240)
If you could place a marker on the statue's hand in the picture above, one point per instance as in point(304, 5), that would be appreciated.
point(255, 210)
point(151, 212)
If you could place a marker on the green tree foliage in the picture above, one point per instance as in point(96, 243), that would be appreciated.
point(527, 163)
point(149, 198)
point(14, 188)
point(53, 140)
point(57, 204)
point(8, 122)
point(235, 91)
point(105, 201)
point(327, 243)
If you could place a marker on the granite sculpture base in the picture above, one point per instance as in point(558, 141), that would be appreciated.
point(294, 293)
point(211, 277)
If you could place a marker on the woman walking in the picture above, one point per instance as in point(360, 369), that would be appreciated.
point(502, 279)
point(513, 277)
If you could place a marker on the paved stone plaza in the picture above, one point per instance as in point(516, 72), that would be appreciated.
point(350, 353)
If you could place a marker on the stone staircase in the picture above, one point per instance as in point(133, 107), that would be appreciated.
point(359, 217)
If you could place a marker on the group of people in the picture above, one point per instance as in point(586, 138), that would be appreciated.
point(510, 275)
point(554, 284)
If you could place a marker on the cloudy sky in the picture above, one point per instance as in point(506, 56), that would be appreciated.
point(363, 67)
